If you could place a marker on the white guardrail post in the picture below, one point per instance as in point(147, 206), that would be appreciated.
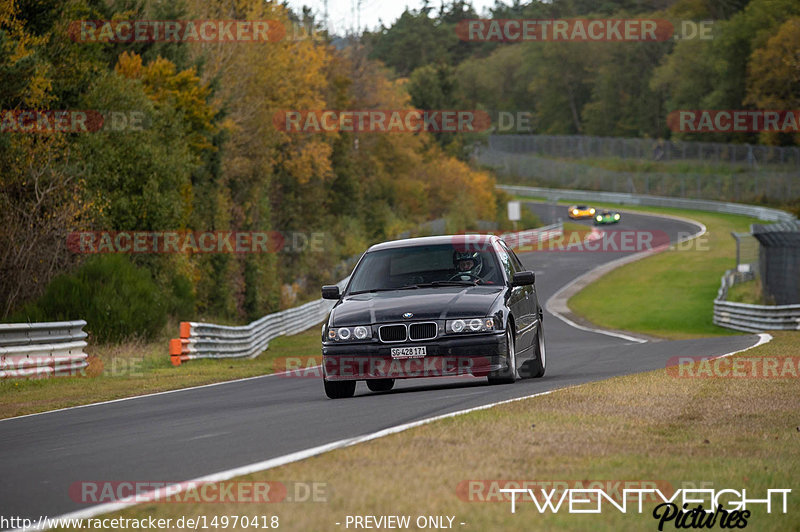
point(42, 349)
point(207, 340)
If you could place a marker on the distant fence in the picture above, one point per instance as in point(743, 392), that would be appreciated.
point(747, 249)
point(42, 349)
point(738, 184)
point(207, 340)
point(581, 146)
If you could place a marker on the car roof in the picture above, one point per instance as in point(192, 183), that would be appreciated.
point(476, 238)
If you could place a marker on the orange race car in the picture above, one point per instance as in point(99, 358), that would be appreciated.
point(580, 211)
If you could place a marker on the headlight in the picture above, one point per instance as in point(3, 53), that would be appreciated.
point(470, 325)
point(599, 218)
point(574, 211)
point(344, 334)
point(616, 216)
point(591, 211)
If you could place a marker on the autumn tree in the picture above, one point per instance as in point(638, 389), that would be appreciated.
point(773, 77)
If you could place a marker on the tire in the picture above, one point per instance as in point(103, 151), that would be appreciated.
point(508, 375)
point(380, 385)
point(339, 389)
point(537, 367)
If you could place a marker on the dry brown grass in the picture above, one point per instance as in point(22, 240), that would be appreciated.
point(720, 433)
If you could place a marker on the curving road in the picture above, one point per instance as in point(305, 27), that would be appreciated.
point(191, 433)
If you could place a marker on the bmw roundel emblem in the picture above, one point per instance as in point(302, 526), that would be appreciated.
point(408, 315)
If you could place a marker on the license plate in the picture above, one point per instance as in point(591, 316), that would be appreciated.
point(409, 352)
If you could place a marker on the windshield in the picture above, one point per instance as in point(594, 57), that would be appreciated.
point(422, 266)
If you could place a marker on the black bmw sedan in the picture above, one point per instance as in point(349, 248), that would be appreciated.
point(433, 306)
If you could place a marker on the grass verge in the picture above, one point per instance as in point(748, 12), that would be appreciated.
point(138, 368)
point(747, 292)
point(686, 432)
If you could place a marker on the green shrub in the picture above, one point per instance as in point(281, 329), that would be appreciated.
point(118, 300)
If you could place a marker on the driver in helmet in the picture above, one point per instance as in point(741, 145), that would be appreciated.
point(468, 264)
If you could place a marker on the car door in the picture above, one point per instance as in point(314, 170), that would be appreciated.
point(518, 302)
point(531, 299)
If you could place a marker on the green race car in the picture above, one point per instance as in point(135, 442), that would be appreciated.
point(606, 217)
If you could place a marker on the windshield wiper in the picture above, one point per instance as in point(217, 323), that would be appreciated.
point(434, 284)
point(373, 290)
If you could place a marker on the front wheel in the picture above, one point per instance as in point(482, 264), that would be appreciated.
point(537, 366)
point(508, 375)
point(339, 389)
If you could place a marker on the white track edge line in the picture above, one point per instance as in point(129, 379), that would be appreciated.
point(153, 394)
point(272, 463)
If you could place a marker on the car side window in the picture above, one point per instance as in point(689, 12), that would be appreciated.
point(515, 261)
point(516, 264)
point(505, 260)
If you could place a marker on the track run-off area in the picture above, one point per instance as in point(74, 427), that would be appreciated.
point(227, 429)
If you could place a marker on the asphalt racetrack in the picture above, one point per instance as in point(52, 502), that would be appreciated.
point(188, 434)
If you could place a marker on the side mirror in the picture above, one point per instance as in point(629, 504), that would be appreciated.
point(523, 279)
point(331, 292)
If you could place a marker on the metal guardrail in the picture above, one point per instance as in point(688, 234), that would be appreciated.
point(42, 349)
point(533, 236)
point(553, 194)
point(207, 340)
point(751, 318)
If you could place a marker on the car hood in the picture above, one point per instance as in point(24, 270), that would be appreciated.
point(424, 303)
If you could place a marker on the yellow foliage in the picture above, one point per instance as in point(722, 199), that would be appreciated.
point(19, 46)
point(183, 90)
point(129, 65)
point(773, 80)
point(310, 160)
point(773, 77)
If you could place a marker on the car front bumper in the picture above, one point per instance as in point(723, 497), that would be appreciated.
point(476, 355)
